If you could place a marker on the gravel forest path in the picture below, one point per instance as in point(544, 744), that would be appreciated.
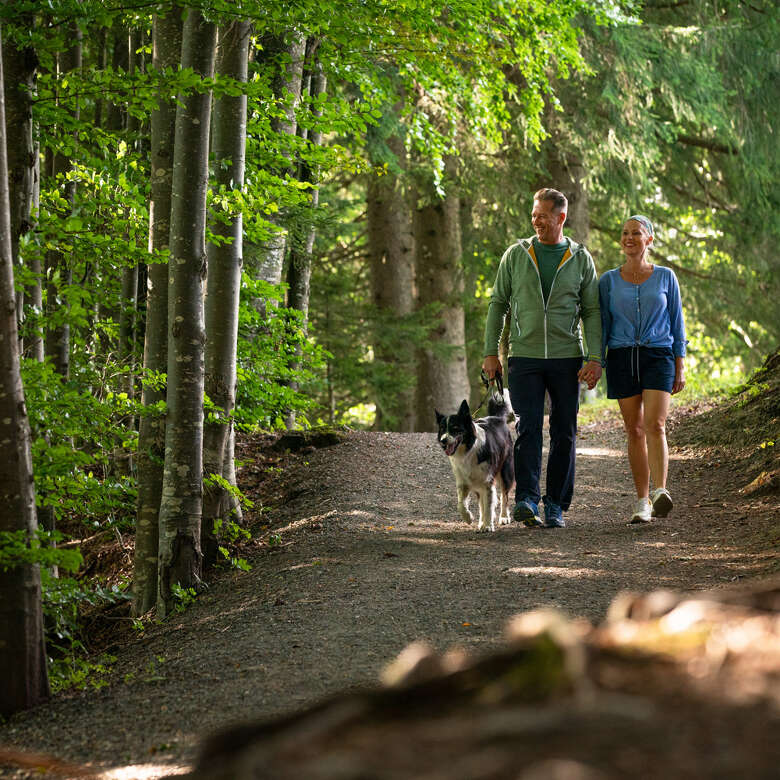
point(370, 555)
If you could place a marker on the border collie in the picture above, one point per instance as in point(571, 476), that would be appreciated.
point(480, 453)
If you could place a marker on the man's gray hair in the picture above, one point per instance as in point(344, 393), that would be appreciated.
point(557, 198)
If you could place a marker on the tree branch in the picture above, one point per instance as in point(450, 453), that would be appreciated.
point(702, 143)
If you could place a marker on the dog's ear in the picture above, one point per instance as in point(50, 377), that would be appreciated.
point(439, 416)
point(464, 410)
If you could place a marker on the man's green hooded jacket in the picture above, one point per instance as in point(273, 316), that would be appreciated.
point(551, 329)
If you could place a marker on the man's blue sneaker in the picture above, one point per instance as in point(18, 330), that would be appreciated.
point(553, 514)
point(527, 512)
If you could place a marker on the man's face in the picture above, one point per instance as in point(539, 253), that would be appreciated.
point(547, 222)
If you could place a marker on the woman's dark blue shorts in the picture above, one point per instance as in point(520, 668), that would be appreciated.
point(630, 370)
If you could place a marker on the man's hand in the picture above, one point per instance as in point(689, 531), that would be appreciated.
point(491, 365)
point(590, 373)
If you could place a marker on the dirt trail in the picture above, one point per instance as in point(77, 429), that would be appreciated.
point(374, 556)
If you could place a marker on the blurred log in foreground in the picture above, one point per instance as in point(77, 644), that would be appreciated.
point(669, 686)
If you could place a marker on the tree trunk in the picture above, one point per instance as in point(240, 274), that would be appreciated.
point(567, 173)
point(23, 679)
point(299, 272)
point(128, 301)
point(391, 251)
point(181, 507)
point(166, 53)
point(224, 284)
point(59, 271)
point(443, 378)
point(33, 294)
point(20, 66)
point(267, 262)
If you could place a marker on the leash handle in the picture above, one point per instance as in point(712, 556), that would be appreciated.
point(497, 378)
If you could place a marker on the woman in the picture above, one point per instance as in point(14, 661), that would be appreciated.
point(644, 338)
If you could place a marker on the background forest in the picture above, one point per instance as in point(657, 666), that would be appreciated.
point(228, 216)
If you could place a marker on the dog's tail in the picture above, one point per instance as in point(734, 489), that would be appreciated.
point(499, 405)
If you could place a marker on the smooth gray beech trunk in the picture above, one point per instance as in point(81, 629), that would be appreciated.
point(128, 310)
point(442, 374)
point(57, 265)
point(391, 252)
point(23, 679)
point(224, 285)
point(33, 294)
point(128, 303)
point(266, 262)
point(166, 53)
point(299, 270)
point(20, 67)
point(109, 309)
point(180, 558)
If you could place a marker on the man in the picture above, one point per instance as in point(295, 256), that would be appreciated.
point(546, 283)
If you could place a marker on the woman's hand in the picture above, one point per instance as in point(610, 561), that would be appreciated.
point(679, 376)
point(590, 373)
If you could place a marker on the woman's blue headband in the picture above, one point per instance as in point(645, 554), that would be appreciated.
point(645, 222)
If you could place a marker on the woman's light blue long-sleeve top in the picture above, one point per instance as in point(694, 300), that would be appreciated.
point(647, 315)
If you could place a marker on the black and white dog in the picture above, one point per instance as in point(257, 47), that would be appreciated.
point(480, 453)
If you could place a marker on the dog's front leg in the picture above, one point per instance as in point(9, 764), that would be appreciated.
point(488, 504)
point(463, 503)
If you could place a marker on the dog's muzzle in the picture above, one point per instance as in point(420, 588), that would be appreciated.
point(450, 444)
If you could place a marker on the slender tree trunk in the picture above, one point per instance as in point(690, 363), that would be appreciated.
point(180, 559)
point(114, 111)
point(59, 271)
point(23, 679)
point(108, 308)
point(101, 44)
point(224, 285)
point(443, 378)
point(391, 251)
point(299, 272)
point(33, 294)
point(128, 296)
point(20, 68)
point(267, 262)
point(166, 48)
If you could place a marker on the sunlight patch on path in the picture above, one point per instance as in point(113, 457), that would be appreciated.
point(144, 772)
point(557, 571)
point(600, 452)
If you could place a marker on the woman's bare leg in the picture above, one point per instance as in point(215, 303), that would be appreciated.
point(633, 420)
point(656, 408)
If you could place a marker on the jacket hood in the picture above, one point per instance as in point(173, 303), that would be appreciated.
point(574, 247)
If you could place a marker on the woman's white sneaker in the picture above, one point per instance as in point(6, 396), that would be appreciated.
point(662, 502)
point(642, 511)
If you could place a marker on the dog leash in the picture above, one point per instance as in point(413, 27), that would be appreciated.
point(499, 382)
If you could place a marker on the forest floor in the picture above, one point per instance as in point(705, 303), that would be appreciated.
point(358, 550)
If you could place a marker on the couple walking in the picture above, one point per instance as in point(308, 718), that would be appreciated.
point(633, 324)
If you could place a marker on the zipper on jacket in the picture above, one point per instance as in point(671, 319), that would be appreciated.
point(563, 262)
